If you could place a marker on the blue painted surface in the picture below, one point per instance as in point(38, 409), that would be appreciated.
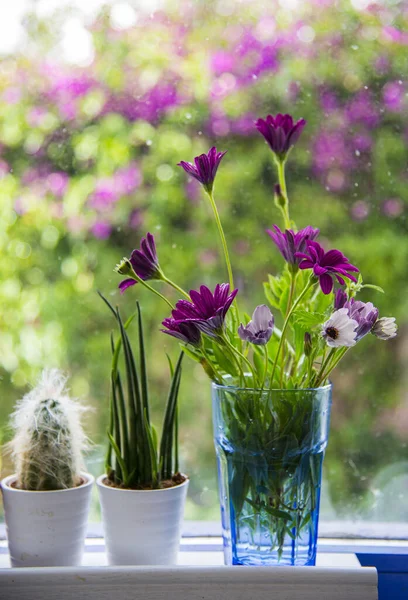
point(392, 574)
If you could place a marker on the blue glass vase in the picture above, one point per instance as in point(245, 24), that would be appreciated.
point(270, 447)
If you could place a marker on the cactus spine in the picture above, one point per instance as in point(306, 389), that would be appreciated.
point(49, 440)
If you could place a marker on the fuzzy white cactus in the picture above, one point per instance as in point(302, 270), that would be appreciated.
point(48, 437)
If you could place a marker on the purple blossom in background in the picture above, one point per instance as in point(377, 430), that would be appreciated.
point(328, 101)
point(222, 62)
point(289, 242)
point(362, 109)
point(394, 96)
point(57, 183)
point(363, 142)
point(205, 167)
point(326, 265)
point(144, 262)
point(259, 330)
point(360, 210)
point(206, 310)
point(36, 115)
point(127, 179)
point(104, 195)
point(330, 150)
point(393, 207)
point(280, 132)
point(393, 34)
point(150, 107)
point(136, 219)
point(101, 230)
point(186, 332)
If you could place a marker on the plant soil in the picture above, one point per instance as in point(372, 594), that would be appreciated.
point(176, 480)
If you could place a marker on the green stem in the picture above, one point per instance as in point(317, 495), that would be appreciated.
point(223, 240)
point(325, 362)
point(282, 182)
point(175, 286)
point(286, 323)
point(288, 307)
point(149, 287)
point(266, 365)
point(244, 358)
point(332, 366)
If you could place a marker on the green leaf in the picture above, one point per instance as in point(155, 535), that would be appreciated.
point(283, 301)
point(373, 287)
point(170, 365)
point(259, 364)
point(119, 459)
point(223, 360)
point(269, 296)
point(191, 353)
point(308, 320)
point(143, 370)
point(168, 438)
point(153, 454)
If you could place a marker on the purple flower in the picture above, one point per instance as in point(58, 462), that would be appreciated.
point(186, 332)
point(205, 167)
point(280, 132)
point(144, 263)
point(365, 313)
point(325, 265)
point(260, 329)
point(207, 310)
point(340, 299)
point(289, 242)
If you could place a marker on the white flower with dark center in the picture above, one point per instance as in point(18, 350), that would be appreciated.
point(385, 328)
point(340, 330)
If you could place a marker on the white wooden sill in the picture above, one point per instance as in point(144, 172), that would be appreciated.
point(200, 575)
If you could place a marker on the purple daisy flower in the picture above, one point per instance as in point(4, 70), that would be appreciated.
point(186, 332)
point(207, 310)
point(365, 313)
point(289, 242)
point(260, 329)
point(204, 168)
point(325, 265)
point(280, 132)
point(144, 263)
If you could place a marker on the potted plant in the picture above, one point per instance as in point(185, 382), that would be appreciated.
point(46, 502)
point(270, 384)
point(142, 493)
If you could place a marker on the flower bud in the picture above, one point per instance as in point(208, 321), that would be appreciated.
point(124, 267)
point(308, 344)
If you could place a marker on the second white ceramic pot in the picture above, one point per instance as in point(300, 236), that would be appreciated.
point(142, 527)
point(46, 529)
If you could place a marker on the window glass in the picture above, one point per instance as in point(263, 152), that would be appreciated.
point(99, 103)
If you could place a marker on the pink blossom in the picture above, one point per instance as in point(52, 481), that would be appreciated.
point(101, 230)
point(361, 109)
point(57, 183)
point(393, 96)
point(393, 207)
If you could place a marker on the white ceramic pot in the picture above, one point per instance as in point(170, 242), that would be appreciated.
point(46, 529)
point(142, 527)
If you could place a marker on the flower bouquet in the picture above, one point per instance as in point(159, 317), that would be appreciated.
point(270, 372)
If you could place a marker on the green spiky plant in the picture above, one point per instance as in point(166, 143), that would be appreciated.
point(135, 460)
point(48, 440)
